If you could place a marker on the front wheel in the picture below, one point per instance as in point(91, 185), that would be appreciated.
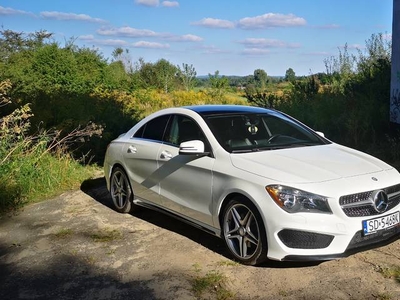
point(244, 232)
point(121, 191)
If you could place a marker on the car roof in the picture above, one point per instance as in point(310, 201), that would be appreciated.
point(226, 109)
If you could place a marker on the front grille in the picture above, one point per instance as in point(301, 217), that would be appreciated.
point(355, 205)
point(304, 240)
point(359, 240)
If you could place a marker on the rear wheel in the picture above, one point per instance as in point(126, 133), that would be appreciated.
point(244, 232)
point(121, 191)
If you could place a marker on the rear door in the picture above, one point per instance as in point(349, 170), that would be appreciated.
point(140, 155)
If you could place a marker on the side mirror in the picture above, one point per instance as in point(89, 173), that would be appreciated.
point(192, 147)
point(320, 133)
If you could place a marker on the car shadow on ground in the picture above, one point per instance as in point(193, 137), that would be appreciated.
point(96, 188)
point(66, 277)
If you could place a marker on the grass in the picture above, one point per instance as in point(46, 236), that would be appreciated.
point(383, 296)
point(227, 263)
point(110, 251)
point(213, 283)
point(90, 260)
point(106, 235)
point(63, 233)
point(391, 272)
point(283, 293)
point(37, 175)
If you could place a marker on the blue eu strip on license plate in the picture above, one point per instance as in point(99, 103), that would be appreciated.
point(381, 223)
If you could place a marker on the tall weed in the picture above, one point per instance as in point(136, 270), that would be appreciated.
point(34, 167)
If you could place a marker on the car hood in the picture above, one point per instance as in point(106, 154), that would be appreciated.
point(308, 164)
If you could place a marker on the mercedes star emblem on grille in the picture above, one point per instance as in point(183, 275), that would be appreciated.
point(380, 201)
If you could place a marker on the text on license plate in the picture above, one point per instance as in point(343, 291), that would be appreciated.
point(380, 223)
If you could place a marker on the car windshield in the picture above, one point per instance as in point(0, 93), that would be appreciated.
point(247, 132)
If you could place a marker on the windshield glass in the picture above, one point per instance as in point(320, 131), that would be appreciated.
point(256, 132)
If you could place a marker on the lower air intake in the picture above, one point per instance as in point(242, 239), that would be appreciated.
point(304, 240)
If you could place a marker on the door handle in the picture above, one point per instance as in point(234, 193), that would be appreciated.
point(131, 149)
point(166, 155)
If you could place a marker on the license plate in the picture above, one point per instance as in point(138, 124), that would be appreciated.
point(380, 223)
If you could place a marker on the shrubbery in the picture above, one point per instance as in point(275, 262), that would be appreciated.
point(35, 166)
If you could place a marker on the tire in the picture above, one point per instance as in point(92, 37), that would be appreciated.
point(121, 191)
point(244, 233)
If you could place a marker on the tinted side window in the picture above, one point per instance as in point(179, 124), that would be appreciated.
point(139, 133)
point(154, 129)
point(183, 129)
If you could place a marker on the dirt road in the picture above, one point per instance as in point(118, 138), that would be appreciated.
point(76, 247)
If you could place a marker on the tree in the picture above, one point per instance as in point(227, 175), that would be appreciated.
point(123, 56)
point(146, 74)
point(306, 89)
point(12, 42)
point(219, 84)
point(165, 74)
point(117, 52)
point(290, 75)
point(260, 78)
point(187, 75)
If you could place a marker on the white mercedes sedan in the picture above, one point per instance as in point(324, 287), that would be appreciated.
point(269, 186)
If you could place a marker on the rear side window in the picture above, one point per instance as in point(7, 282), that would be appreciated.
point(154, 129)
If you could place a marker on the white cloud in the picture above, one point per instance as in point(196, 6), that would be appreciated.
point(145, 33)
point(215, 23)
point(355, 46)
point(144, 44)
point(209, 49)
point(184, 38)
point(7, 11)
point(271, 20)
point(214, 50)
point(267, 43)
point(88, 37)
point(127, 32)
point(255, 51)
point(107, 42)
point(148, 2)
point(55, 15)
point(170, 3)
point(121, 43)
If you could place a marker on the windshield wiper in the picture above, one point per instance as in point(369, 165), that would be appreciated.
point(242, 151)
point(265, 148)
point(300, 144)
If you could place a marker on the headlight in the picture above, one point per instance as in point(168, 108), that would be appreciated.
point(294, 200)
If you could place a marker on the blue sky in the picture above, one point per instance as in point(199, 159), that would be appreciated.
point(232, 36)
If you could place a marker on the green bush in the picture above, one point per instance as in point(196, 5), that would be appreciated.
point(34, 167)
point(352, 106)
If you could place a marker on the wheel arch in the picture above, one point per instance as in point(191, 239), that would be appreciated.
point(119, 165)
point(116, 165)
point(247, 199)
point(260, 255)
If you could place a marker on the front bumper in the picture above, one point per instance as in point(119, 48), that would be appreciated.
point(314, 236)
point(357, 244)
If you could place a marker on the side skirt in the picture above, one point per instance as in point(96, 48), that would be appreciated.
point(201, 226)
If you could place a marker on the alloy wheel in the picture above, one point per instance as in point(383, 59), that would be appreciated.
point(120, 191)
point(241, 231)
